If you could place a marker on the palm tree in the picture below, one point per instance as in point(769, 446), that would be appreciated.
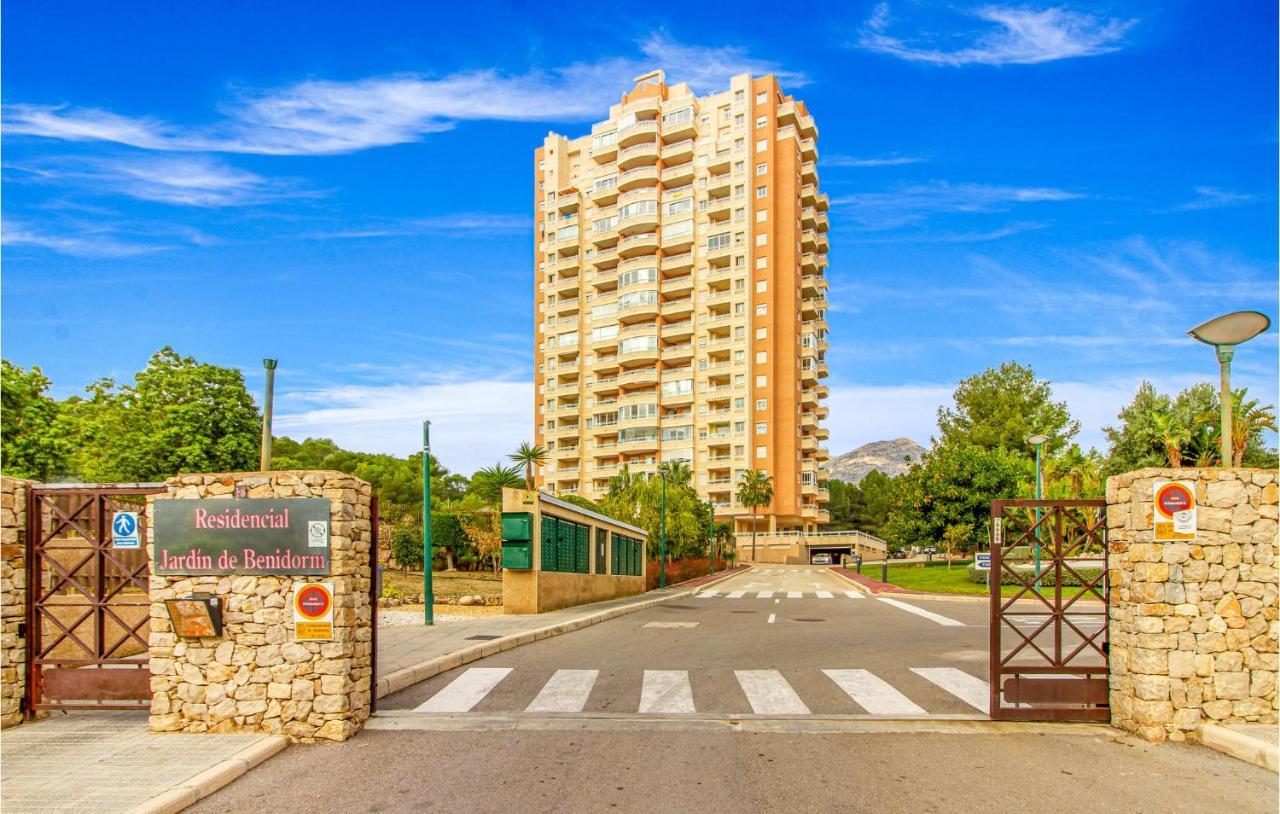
point(491, 480)
point(529, 456)
point(1172, 434)
point(755, 489)
point(1247, 419)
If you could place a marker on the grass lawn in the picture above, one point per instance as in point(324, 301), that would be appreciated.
point(934, 578)
point(445, 584)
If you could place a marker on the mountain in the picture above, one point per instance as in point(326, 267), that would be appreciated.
point(889, 457)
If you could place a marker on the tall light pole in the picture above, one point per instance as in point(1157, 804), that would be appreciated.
point(1224, 333)
point(1038, 441)
point(428, 593)
point(662, 532)
point(264, 454)
point(711, 534)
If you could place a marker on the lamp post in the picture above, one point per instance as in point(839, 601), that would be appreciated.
point(264, 454)
point(428, 592)
point(662, 532)
point(1038, 441)
point(1224, 333)
point(711, 535)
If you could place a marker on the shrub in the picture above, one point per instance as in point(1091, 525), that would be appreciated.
point(1087, 573)
point(406, 547)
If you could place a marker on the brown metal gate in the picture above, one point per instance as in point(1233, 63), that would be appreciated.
point(88, 606)
point(1049, 640)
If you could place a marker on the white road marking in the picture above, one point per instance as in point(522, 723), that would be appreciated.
point(776, 601)
point(707, 594)
point(670, 624)
point(855, 594)
point(666, 691)
point(794, 594)
point(465, 691)
point(807, 571)
point(773, 617)
point(734, 594)
point(769, 693)
point(930, 615)
point(765, 595)
point(825, 595)
point(872, 693)
point(567, 691)
point(973, 691)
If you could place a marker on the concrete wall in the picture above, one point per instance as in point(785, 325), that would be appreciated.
point(793, 549)
point(537, 591)
point(256, 677)
point(1193, 624)
point(13, 598)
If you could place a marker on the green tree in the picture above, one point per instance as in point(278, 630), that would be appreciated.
point(1173, 435)
point(755, 490)
point(953, 486)
point(1001, 407)
point(529, 456)
point(33, 439)
point(179, 415)
point(1248, 420)
point(636, 499)
point(877, 491)
point(488, 482)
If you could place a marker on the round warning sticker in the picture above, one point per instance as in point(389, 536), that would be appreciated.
point(313, 601)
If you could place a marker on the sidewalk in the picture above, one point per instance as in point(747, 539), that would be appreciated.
point(408, 654)
point(108, 761)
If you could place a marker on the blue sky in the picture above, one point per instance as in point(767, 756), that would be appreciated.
point(1069, 186)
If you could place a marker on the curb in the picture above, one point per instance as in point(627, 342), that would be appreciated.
point(408, 676)
point(1240, 746)
point(904, 593)
point(199, 786)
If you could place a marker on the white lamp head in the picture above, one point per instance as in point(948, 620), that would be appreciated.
point(1235, 328)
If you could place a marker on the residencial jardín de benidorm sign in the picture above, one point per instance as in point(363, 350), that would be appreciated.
point(241, 536)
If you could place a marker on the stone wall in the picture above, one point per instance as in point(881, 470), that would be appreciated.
point(256, 677)
point(1193, 624)
point(13, 598)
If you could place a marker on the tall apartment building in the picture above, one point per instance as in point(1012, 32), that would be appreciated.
point(680, 297)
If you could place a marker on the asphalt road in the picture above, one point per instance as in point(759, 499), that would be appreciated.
point(780, 690)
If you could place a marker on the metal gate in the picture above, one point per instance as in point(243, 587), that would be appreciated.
point(88, 606)
point(1049, 640)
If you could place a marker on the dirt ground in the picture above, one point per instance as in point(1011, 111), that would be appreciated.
point(445, 584)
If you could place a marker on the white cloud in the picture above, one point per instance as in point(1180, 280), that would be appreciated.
point(887, 161)
point(913, 203)
point(1022, 36)
point(1214, 198)
point(320, 117)
point(88, 243)
point(464, 223)
point(473, 423)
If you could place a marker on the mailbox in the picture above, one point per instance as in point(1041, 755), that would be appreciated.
point(517, 540)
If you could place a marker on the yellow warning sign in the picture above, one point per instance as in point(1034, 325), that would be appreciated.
point(1175, 511)
point(313, 612)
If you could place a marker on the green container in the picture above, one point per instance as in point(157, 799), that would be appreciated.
point(517, 526)
point(517, 554)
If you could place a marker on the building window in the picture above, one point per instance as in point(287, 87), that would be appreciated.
point(762, 215)
point(762, 452)
point(762, 98)
point(762, 357)
point(762, 169)
point(761, 404)
point(762, 286)
point(739, 120)
point(762, 191)
point(762, 333)
point(762, 380)
point(762, 121)
point(762, 145)
point(739, 96)
point(762, 309)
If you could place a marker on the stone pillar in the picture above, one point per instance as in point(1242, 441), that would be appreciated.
point(1193, 624)
point(256, 677)
point(13, 598)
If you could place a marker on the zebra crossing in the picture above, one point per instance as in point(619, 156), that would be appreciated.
point(666, 692)
point(745, 594)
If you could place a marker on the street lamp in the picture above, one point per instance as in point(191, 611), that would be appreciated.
point(662, 530)
point(711, 536)
point(1038, 441)
point(264, 453)
point(1224, 333)
point(428, 592)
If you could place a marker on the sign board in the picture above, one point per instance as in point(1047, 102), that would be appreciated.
point(997, 532)
point(313, 612)
point(195, 617)
point(1175, 512)
point(982, 560)
point(124, 530)
point(241, 536)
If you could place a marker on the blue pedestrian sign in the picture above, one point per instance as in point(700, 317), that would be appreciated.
point(124, 530)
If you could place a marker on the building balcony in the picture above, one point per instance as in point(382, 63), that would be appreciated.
point(677, 151)
point(821, 223)
point(717, 208)
point(809, 217)
point(567, 305)
point(605, 196)
point(677, 175)
point(787, 114)
point(677, 262)
point(636, 357)
point(806, 126)
point(809, 195)
point(823, 243)
point(809, 149)
point(604, 153)
point(568, 201)
point(718, 255)
point(638, 177)
point(639, 445)
point(821, 433)
point(642, 130)
point(680, 352)
point(603, 238)
point(677, 242)
point(808, 240)
point(720, 161)
point(810, 285)
point(678, 128)
point(676, 286)
point(638, 244)
point(677, 308)
point(638, 155)
point(822, 203)
point(719, 184)
point(638, 222)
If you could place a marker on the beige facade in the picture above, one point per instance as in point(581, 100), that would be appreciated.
point(680, 297)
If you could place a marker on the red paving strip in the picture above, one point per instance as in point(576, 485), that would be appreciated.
point(703, 580)
point(875, 586)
